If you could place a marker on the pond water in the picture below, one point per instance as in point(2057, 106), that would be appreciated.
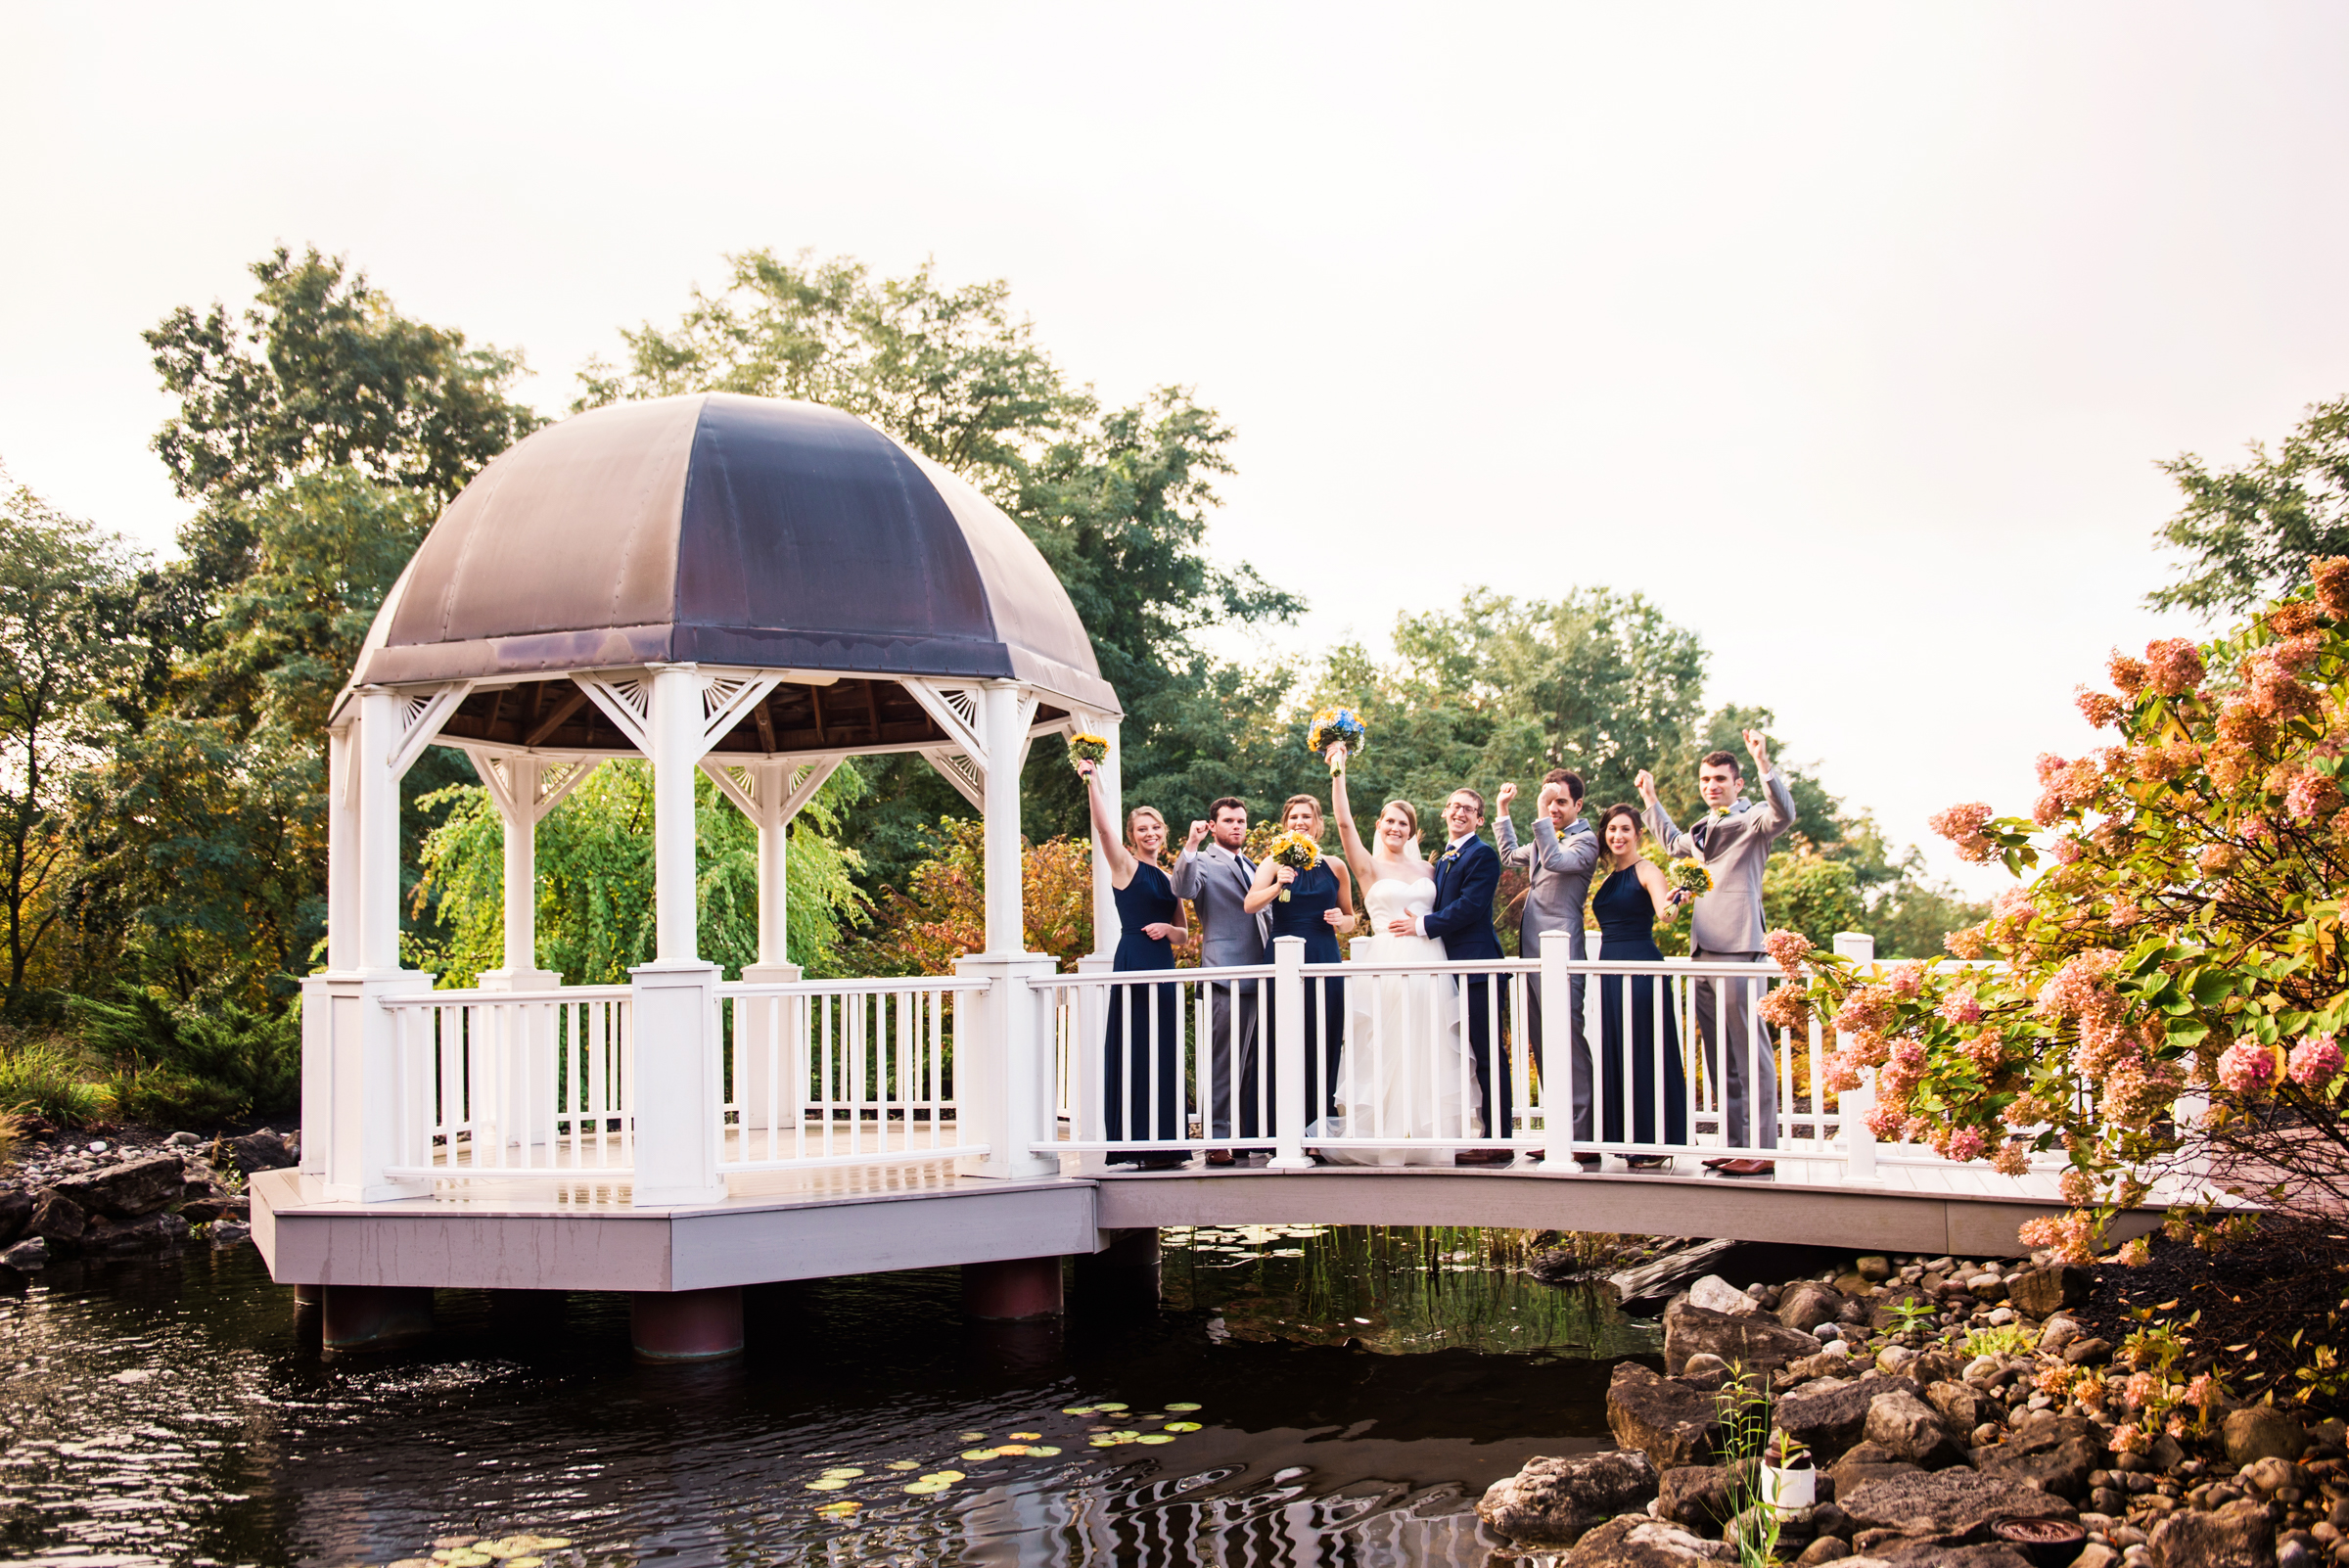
point(1352, 1392)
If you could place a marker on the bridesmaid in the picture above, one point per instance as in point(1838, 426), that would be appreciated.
point(1142, 1052)
point(1629, 903)
point(1320, 905)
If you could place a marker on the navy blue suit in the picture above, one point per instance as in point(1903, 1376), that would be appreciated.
point(1465, 884)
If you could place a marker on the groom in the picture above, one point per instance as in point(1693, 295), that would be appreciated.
point(1467, 874)
point(1214, 872)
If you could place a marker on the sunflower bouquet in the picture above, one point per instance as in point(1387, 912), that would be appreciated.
point(1296, 850)
point(1094, 749)
point(1689, 876)
point(1335, 726)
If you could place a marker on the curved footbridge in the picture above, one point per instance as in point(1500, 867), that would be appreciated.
point(1010, 1235)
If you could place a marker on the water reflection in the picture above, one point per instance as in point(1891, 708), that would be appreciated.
point(1355, 1390)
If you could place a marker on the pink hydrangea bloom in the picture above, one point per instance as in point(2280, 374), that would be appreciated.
point(1887, 1121)
point(1965, 1144)
point(2012, 902)
point(2012, 1160)
point(2069, 848)
point(2173, 666)
point(2315, 1062)
point(2311, 795)
point(1962, 825)
point(1906, 977)
point(1788, 949)
point(2246, 1067)
point(1961, 1007)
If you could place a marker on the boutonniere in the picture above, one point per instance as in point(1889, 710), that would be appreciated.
point(1449, 856)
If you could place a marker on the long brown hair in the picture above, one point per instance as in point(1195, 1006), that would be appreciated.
point(1294, 801)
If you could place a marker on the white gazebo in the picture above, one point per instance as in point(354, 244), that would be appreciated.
point(749, 587)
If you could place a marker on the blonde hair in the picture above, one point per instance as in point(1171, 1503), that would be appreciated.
point(1152, 813)
point(1294, 801)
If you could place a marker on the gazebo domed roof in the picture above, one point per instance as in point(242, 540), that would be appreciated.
point(731, 531)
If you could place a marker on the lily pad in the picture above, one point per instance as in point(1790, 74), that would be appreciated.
point(1154, 1437)
point(844, 1472)
point(831, 1483)
point(980, 1454)
point(905, 1464)
point(1183, 1406)
point(554, 1542)
point(841, 1509)
point(1125, 1436)
point(1113, 1404)
point(1025, 1436)
point(1105, 1442)
point(974, 1437)
point(1042, 1451)
point(1012, 1448)
point(1182, 1426)
point(1077, 1409)
point(526, 1562)
point(924, 1489)
point(948, 1476)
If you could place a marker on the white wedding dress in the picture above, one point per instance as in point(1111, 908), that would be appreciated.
point(1402, 1073)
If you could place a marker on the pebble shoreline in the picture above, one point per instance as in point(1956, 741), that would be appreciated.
point(1920, 1448)
point(105, 1196)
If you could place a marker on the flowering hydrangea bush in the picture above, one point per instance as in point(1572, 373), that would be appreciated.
point(2161, 992)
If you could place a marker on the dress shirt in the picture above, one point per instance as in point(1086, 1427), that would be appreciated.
point(1419, 922)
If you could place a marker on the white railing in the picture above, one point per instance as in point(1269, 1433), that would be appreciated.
point(839, 1073)
point(1364, 1063)
point(513, 1085)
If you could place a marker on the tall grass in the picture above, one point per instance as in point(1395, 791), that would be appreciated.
point(51, 1077)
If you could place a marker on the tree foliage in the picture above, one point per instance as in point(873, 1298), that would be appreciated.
point(2250, 531)
point(2177, 933)
point(321, 371)
point(942, 913)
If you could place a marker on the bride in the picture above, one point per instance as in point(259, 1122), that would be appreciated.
point(1403, 1074)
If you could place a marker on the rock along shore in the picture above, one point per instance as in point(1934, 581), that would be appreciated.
point(102, 1196)
point(1942, 1401)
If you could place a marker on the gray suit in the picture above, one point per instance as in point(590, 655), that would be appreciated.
point(1728, 924)
point(1216, 881)
point(1558, 867)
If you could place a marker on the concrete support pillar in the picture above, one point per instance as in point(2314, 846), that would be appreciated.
point(1013, 1289)
point(375, 1317)
point(1125, 1269)
point(686, 1325)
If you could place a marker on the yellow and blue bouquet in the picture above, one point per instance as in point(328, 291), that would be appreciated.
point(1296, 850)
point(1690, 877)
point(1091, 748)
point(1335, 726)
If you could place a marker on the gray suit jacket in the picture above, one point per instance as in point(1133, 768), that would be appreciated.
point(1216, 882)
point(1734, 847)
point(1559, 867)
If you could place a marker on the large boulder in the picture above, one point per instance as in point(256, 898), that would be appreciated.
point(2258, 1430)
point(1555, 1503)
point(1754, 1342)
point(2044, 1292)
point(1908, 1428)
point(150, 1232)
point(1961, 1406)
point(2238, 1535)
point(1828, 1417)
point(128, 1190)
point(58, 1218)
point(1636, 1540)
point(2054, 1453)
point(1807, 1304)
point(1657, 1281)
point(16, 1216)
point(1863, 1463)
point(1936, 1555)
point(1944, 1503)
point(255, 1152)
point(1700, 1497)
point(1669, 1422)
point(1717, 1295)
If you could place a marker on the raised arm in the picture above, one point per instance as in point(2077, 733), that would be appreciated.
point(1575, 855)
point(1357, 853)
point(1660, 826)
point(1776, 812)
point(1513, 856)
point(1271, 878)
point(1187, 879)
point(1106, 838)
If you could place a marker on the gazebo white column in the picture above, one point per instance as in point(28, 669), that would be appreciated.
point(523, 787)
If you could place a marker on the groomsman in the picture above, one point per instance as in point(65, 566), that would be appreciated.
point(1214, 872)
point(1467, 874)
point(1558, 865)
point(1734, 842)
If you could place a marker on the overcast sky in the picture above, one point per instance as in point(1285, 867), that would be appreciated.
point(1851, 335)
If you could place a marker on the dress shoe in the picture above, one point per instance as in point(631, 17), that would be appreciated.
point(1715, 1163)
point(1650, 1163)
point(1481, 1157)
point(1748, 1168)
point(1218, 1157)
point(1588, 1162)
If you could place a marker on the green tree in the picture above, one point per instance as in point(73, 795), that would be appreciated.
point(1116, 499)
point(595, 880)
point(2250, 531)
point(61, 596)
point(323, 373)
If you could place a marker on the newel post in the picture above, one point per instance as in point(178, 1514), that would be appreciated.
point(1286, 1038)
point(1557, 1001)
point(1856, 1105)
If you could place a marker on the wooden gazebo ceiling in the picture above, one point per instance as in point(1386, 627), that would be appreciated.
point(849, 716)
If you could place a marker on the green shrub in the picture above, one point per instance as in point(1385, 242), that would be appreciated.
point(48, 1075)
point(2007, 1339)
point(191, 1064)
